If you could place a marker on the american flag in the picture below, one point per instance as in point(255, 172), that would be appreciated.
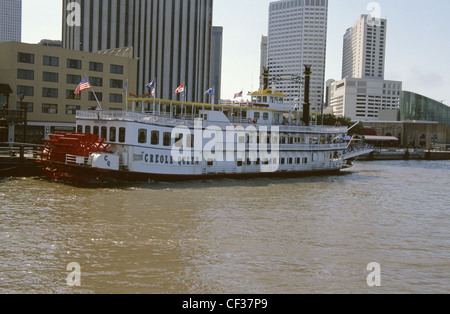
point(238, 95)
point(84, 84)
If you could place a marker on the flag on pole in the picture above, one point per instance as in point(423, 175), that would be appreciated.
point(84, 84)
point(238, 95)
point(210, 91)
point(180, 90)
point(125, 88)
point(150, 85)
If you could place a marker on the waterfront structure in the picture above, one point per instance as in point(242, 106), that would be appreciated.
point(297, 37)
point(10, 20)
point(171, 40)
point(412, 134)
point(418, 107)
point(364, 53)
point(47, 77)
point(363, 99)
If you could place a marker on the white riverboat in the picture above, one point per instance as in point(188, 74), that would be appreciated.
point(166, 140)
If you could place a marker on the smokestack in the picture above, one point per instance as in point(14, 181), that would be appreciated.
point(307, 105)
point(266, 78)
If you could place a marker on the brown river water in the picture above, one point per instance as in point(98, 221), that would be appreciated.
point(262, 236)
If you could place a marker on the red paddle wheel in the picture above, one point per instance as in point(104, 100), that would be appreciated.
point(64, 155)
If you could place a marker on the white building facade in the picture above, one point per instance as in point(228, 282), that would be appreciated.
point(364, 48)
point(298, 37)
point(364, 99)
point(10, 20)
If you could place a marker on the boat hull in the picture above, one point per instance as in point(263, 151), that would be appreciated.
point(82, 175)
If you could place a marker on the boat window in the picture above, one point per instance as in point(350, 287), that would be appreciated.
point(257, 115)
point(190, 141)
point(96, 130)
point(79, 129)
point(87, 129)
point(122, 135)
point(112, 134)
point(266, 116)
point(179, 140)
point(155, 137)
point(167, 139)
point(104, 133)
point(142, 136)
point(305, 160)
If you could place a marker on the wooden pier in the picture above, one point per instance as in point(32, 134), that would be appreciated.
point(18, 160)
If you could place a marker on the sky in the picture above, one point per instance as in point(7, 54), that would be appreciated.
point(417, 52)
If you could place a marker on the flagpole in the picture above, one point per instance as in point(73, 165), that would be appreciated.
point(126, 95)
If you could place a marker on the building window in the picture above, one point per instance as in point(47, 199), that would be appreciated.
point(74, 64)
point(96, 66)
point(72, 109)
point(25, 57)
point(115, 98)
point(96, 81)
point(116, 83)
point(51, 61)
point(49, 92)
point(50, 77)
point(50, 108)
point(91, 96)
point(25, 74)
point(73, 79)
point(25, 90)
point(28, 106)
point(116, 69)
point(70, 94)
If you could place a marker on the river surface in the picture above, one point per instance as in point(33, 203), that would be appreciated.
point(262, 236)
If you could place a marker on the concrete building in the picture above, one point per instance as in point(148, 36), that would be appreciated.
point(364, 53)
point(171, 40)
point(10, 20)
point(298, 37)
point(47, 77)
point(363, 99)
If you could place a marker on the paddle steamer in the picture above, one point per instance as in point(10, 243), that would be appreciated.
point(167, 140)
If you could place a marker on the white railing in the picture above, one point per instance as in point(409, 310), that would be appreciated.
point(132, 116)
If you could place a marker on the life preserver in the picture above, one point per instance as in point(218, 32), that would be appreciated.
point(255, 121)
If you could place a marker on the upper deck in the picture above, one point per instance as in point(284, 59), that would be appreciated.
point(173, 121)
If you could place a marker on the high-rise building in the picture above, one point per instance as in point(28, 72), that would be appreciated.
point(298, 37)
point(364, 49)
point(171, 39)
point(10, 20)
point(216, 62)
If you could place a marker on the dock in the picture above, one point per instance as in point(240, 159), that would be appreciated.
point(18, 160)
point(405, 154)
